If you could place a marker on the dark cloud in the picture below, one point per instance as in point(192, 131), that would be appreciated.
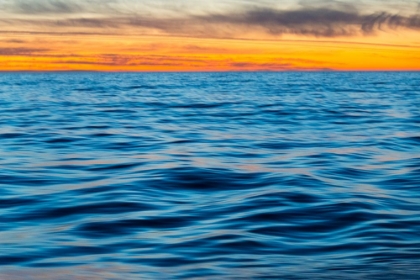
point(339, 20)
point(134, 60)
point(250, 65)
point(282, 65)
point(21, 51)
point(319, 22)
point(103, 63)
point(117, 61)
point(15, 41)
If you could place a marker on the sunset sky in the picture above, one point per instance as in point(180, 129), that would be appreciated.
point(213, 35)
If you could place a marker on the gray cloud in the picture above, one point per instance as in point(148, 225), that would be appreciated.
point(117, 61)
point(134, 60)
point(274, 67)
point(14, 41)
point(21, 51)
point(63, 7)
point(45, 7)
point(339, 20)
point(319, 22)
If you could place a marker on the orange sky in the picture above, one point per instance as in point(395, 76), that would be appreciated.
point(218, 43)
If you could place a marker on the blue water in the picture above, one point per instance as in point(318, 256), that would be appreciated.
point(210, 176)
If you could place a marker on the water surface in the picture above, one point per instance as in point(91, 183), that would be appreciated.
point(210, 176)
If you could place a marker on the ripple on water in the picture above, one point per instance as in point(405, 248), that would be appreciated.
point(233, 175)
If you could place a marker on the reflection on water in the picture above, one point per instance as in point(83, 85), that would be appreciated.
point(209, 175)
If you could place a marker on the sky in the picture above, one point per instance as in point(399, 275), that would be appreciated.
point(212, 35)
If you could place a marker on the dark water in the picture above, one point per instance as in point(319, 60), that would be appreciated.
point(210, 176)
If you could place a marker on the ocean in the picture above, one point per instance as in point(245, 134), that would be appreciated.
point(248, 175)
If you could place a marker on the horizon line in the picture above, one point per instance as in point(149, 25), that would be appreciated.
point(210, 71)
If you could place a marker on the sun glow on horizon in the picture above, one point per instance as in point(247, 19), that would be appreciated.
point(53, 36)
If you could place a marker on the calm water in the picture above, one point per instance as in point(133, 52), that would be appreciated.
point(210, 176)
